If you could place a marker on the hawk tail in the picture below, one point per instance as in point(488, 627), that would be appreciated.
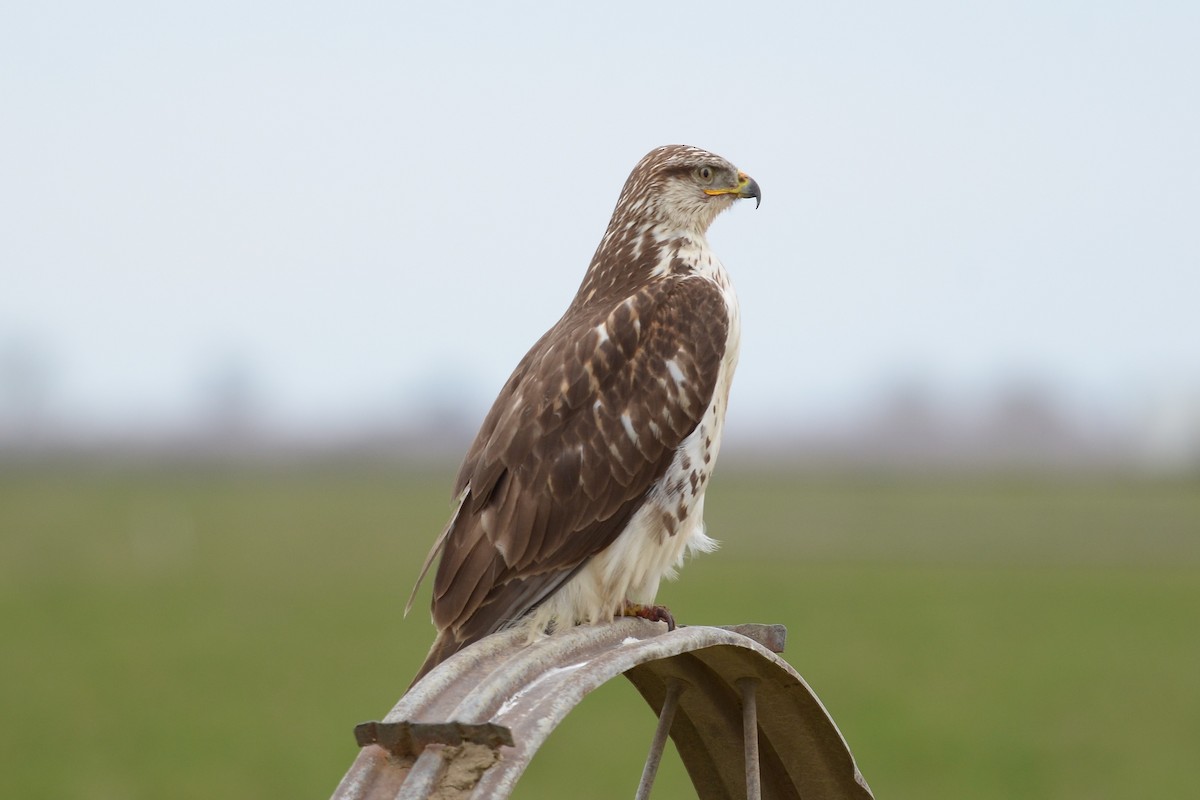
point(445, 645)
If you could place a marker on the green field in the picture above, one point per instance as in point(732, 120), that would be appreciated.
point(213, 633)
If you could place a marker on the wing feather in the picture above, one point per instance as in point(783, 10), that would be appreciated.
point(579, 435)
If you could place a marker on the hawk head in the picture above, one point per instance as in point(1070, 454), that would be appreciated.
point(683, 187)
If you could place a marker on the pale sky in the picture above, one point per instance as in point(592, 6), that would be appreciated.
point(358, 201)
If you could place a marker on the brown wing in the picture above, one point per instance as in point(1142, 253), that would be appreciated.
point(582, 430)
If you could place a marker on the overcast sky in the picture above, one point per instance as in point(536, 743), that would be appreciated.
point(364, 206)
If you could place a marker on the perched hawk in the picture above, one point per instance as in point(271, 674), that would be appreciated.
point(585, 485)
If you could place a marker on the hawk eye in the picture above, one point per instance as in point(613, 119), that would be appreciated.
point(704, 174)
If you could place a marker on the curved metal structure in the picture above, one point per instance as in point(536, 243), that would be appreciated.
point(470, 727)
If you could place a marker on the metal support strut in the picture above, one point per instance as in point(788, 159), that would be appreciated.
point(659, 743)
point(750, 737)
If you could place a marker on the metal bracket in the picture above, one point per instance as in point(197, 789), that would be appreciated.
point(408, 739)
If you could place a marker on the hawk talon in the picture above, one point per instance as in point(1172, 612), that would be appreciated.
point(652, 613)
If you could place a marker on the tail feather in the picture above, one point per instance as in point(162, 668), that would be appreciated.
point(444, 646)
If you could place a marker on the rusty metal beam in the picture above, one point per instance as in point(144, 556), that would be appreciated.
point(503, 682)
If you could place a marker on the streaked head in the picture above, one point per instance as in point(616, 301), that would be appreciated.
point(684, 186)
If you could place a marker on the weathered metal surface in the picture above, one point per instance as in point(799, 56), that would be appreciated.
point(801, 752)
point(529, 688)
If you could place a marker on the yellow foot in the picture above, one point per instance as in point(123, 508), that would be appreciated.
point(652, 613)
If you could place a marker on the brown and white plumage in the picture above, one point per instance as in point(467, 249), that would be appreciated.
point(585, 485)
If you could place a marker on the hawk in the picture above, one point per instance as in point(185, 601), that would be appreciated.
point(585, 485)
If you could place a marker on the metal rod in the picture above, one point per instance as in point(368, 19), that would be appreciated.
point(750, 737)
point(659, 742)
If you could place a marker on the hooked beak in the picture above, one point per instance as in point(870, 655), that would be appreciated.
point(746, 187)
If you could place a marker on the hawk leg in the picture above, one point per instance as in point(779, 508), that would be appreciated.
point(652, 613)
